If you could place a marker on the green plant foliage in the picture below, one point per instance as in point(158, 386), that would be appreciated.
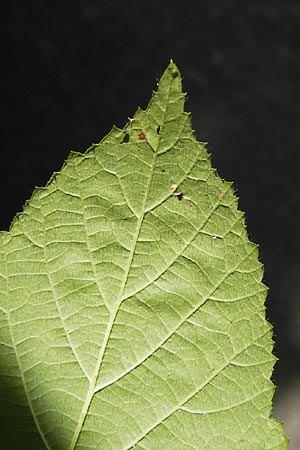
point(132, 307)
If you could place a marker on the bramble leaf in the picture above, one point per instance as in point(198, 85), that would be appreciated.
point(132, 307)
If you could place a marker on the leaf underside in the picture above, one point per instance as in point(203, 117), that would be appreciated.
point(132, 307)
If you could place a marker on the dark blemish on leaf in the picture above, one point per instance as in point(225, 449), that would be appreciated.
point(163, 170)
point(158, 129)
point(180, 196)
point(142, 136)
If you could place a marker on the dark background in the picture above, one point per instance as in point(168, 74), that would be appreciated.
point(72, 69)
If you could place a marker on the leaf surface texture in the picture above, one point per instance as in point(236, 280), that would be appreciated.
point(132, 307)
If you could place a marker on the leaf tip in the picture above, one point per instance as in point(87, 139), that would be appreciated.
point(173, 69)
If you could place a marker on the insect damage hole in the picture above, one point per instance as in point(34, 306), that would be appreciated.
point(177, 194)
point(126, 136)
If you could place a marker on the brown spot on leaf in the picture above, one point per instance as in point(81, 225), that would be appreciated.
point(158, 129)
point(142, 136)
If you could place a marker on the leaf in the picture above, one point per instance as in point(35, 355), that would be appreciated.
point(132, 307)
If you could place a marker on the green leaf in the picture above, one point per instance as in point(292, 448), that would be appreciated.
point(132, 307)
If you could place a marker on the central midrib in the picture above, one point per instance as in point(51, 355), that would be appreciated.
point(109, 327)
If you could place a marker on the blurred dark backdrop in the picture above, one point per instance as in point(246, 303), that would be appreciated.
point(73, 69)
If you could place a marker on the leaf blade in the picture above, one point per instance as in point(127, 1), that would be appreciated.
point(134, 288)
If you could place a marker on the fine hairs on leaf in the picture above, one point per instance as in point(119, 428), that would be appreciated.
point(131, 301)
